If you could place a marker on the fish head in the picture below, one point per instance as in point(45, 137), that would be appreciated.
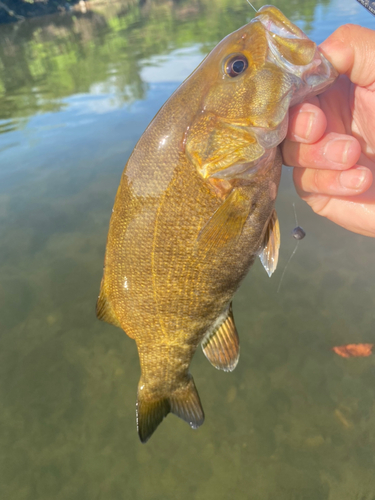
point(249, 81)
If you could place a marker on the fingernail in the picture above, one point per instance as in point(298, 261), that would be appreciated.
point(304, 121)
point(337, 150)
point(338, 52)
point(353, 179)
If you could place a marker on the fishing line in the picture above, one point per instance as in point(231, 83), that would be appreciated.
point(298, 234)
point(251, 5)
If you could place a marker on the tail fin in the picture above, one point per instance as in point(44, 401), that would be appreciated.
point(152, 408)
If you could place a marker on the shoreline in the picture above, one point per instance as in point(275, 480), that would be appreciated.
point(15, 11)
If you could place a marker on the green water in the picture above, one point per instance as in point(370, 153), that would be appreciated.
point(293, 421)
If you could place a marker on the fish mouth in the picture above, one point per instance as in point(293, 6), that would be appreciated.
point(291, 69)
point(292, 51)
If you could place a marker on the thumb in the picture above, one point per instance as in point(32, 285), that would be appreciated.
point(351, 50)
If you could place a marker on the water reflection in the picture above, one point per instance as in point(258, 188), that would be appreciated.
point(107, 49)
point(293, 421)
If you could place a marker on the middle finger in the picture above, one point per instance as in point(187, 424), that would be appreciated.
point(334, 151)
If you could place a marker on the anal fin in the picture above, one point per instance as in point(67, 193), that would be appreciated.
point(269, 255)
point(221, 346)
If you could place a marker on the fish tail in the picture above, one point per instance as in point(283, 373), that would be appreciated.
point(183, 401)
point(149, 415)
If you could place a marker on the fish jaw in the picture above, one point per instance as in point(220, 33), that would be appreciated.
point(295, 53)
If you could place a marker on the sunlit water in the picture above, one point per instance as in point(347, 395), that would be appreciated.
point(294, 421)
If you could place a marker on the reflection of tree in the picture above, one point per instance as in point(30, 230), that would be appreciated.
point(40, 66)
point(44, 60)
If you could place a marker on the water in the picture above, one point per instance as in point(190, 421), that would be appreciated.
point(294, 421)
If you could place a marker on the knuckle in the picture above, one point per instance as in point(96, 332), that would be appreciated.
point(309, 156)
point(288, 153)
point(315, 181)
point(319, 203)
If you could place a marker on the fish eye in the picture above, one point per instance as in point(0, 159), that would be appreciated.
point(236, 65)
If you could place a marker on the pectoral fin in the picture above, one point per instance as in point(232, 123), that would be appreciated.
point(222, 346)
point(227, 222)
point(271, 244)
point(217, 148)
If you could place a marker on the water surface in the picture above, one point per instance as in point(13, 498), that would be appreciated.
point(294, 421)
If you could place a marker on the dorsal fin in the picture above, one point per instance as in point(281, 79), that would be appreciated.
point(221, 346)
point(104, 311)
point(271, 244)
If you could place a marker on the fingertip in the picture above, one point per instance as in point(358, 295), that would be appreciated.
point(355, 180)
point(332, 152)
point(338, 52)
point(351, 50)
point(307, 123)
point(350, 182)
point(341, 150)
point(367, 179)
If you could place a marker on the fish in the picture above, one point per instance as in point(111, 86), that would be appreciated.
point(195, 208)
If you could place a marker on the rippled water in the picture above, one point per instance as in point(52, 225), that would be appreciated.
point(294, 421)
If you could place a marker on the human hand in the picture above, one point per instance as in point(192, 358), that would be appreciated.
point(331, 138)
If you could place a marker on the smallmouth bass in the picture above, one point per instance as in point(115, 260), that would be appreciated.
point(195, 207)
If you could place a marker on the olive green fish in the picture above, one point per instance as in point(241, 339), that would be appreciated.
point(195, 207)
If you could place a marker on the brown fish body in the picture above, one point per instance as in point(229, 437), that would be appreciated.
point(194, 208)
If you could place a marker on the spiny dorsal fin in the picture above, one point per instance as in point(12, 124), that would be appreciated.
point(226, 223)
point(271, 244)
point(104, 311)
point(183, 402)
point(222, 346)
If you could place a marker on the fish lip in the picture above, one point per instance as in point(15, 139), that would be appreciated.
point(279, 27)
point(272, 27)
point(319, 74)
point(319, 65)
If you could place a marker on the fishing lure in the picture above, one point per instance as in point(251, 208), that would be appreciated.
point(298, 234)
